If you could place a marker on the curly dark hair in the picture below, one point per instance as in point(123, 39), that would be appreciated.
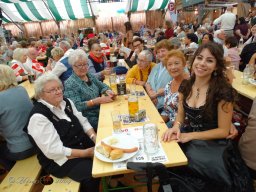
point(219, 88)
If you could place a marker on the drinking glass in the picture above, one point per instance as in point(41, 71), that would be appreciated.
point(132, 89)
point(116, 119)
point(133, 105)
point(150, 134)
point(113, 83)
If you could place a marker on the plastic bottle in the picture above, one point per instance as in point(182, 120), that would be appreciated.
point(246, 75)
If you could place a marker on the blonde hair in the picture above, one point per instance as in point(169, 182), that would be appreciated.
point(163, 44)
point(57, 51)
point(18, 53)
point(7, 77)
point(174, 53)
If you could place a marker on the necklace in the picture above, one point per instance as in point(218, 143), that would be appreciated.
point(197, 93)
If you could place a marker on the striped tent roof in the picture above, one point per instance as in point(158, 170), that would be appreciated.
point(37, 10)
point(146, 5)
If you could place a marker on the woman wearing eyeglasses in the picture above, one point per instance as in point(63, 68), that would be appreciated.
point(63, 137)
point(85, 90)
point(139, 73)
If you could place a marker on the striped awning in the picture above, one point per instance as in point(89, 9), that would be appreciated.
point(146, 5)
point(37, 10)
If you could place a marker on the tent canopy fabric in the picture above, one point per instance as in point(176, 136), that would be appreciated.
point(146, 5)
point(37, 10)
point(40, 10)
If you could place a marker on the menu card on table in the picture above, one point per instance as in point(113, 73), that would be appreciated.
point(141, 156)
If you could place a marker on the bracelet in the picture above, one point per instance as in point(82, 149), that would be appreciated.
point(91, 137)
point(91, 101)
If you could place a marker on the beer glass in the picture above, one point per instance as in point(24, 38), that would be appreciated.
point(133, 105)
point(116, 119)
point(112, 83)
point(132, 89)
point(150, 134)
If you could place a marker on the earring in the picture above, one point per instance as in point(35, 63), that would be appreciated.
point(215, 73)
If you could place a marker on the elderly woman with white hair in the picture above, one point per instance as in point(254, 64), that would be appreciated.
point(17, 64)
point(63, 137)
point(15, 107)
point(139, 73)
point(84, 89)
point(56, 54)
point(219, 36)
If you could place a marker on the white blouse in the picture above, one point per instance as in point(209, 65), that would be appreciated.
point(46, 136)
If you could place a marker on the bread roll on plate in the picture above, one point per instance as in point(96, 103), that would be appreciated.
point(104, 150)
point(116, 154)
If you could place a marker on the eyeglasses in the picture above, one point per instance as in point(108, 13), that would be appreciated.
point(141, 61)
point(55, 90)
point(81, 66)
point(135, 46)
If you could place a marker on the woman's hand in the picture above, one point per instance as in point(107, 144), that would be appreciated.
point(185, 137)
point(89, 152)
point(49, 64)
point(152, 94)
point(233, 132)
point(103, 99)
point(171, 134)
point(25, 77)
point(107, 71)
point(155, 101)
point(111, 94)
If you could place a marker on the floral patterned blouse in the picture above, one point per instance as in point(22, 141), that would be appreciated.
point(170, 103)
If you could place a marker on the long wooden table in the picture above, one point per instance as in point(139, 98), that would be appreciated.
point(174, 153)
point(29, 87)
point(248, 90)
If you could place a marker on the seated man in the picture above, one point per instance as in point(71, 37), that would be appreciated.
point(138, 46)
point(139, 73)
point(63, 69)
point(219, 36)
point(32, 65)
point(247, 143)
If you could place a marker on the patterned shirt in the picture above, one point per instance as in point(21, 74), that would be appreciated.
point(80, 92)
point(19, 69)
point(171, 101)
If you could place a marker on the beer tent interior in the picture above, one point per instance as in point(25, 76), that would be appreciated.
point(34, 18)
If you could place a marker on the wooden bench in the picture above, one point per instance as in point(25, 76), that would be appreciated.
point(62, 185)
point(22, 176)
point(25, 174)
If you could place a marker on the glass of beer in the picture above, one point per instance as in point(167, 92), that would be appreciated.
point(133, 105)
point(112, 83)
point(116, 119)
point(150, 134)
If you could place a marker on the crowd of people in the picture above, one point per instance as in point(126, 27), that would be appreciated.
point(185, 73)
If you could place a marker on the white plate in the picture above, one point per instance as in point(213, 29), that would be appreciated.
point(252, 81)
point(124, 141)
